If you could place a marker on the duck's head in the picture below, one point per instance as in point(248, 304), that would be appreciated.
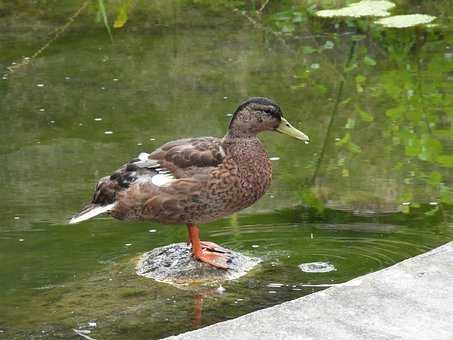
point(259, 114)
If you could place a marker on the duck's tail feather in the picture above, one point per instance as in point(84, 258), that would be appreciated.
point(90, 212)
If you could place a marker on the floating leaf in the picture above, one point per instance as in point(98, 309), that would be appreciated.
point(364, 8)
point(402, 21)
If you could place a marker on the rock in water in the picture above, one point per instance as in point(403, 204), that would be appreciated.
point(174, 264)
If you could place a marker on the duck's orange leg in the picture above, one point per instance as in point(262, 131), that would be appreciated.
point(207, 252)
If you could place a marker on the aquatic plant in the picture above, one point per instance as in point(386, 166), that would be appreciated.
point(408, 20)
point(364, 8)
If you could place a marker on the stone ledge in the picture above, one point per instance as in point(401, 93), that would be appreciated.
point(412, 299)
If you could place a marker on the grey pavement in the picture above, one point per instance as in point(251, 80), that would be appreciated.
point(412, 299)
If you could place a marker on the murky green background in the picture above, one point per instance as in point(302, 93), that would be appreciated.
point(371, 190)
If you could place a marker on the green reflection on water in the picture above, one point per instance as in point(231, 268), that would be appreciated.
point(381, 192)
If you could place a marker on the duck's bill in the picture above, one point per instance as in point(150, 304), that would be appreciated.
point(286, 128)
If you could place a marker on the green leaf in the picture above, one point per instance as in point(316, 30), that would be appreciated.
point(433, 211)
point(103, 14)
point(365, 115)
point(369, 61)
point(122, 15)
point(445, 160)
point(309, 197)
point(413, 147)
point(358, 37)
point(434, 178)
point(360, 80)
point(430, 148)
point(446, 194)
point(394, 113)
point(354, 148)
point(309, 50)
point(344, 141)
point(350, 124)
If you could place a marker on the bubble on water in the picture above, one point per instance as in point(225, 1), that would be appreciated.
point(115, 79)
point(152, 230)
point(255, 246)
point(229, 115)
point(80, 124)
point(272, 292)
point(52, 122)
point(433, 203)
point(306, 142)
point(21, 240)
point(225, 97)
point(274, 158)
point(98, 119)
point(317, 267)
point(314, 66)
point(406, 203)
point(40, 85)
point(42, 109)
point(108, 132)
point(92, 324)
point(128, 244)
point(275, 285)
point(139, 144)
point(152, 139)
point(16, 217)
point(67, 78)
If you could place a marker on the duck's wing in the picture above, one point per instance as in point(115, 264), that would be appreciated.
point(184, 158)
point(190, 157)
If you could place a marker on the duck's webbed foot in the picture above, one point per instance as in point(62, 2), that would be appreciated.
point(214, 247)
point(208, 252)
point(215, 259)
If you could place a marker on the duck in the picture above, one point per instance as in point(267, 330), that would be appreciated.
point(194, 181)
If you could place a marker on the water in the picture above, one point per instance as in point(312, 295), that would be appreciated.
point(375, 191)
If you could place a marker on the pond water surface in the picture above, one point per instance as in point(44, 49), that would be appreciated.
point(372, 188)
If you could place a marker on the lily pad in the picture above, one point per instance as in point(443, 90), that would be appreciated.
point(364, 8)
point(403, 21)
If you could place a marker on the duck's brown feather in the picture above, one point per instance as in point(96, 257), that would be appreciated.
point(212, 178)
